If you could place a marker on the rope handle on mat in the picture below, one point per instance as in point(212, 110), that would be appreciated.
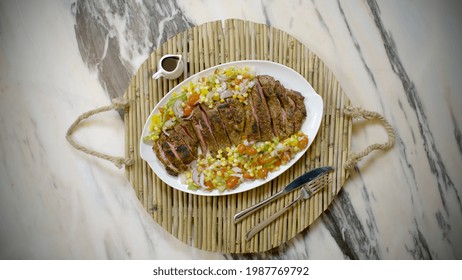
point(118, 161)
point(356, 113)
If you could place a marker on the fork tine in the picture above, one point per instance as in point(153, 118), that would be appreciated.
point(316, 180)
point(319, 184)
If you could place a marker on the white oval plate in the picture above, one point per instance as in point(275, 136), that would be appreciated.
point(288, 78)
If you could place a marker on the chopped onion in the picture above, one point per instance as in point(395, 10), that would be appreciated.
point(236, 169)
point(178, 109)
point(240, 176)
point(183, 178)
point(188, 117)
point(210, 95)
point(222, 77)
point(202, 181)
point(168, 124)
point(226, 94)
point(196, 176)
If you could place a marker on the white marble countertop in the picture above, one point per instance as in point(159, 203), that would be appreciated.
point(59, 59)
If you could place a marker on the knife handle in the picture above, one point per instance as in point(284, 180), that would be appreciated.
point(256, 229)
point(246, 212)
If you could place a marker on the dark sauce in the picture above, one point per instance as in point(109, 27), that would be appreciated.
point(170, 63)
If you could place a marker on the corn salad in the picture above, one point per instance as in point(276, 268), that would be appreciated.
point(245, 162)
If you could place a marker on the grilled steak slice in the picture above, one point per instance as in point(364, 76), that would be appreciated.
point(275, 108)
point(300, 110)
point(180, 149)
point(196, 115)
point(169, 167)
point(229, 121)
point(288, 106)
point(169, 150)
point(238, 112)
point(213, 119)
point(186, 132)
point(251, 129)
point(187, 127)
point(263, 114)
point(173, 152)
point(204, 131)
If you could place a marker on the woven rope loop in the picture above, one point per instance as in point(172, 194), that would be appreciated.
point(357, 113)
point(117, 161)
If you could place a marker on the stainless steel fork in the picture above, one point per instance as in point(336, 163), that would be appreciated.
point(306, 192)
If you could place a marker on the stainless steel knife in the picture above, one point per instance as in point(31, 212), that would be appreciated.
point(295, 184)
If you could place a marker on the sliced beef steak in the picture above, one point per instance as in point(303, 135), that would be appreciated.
point(239, 113)
point(270, 110)
point(260, 107)
point(300, 109)
point(251, 129)
point(169, 167)
point(228, 119)
point(204, 131)
point(217, 127)
point(180, 149)
point(288, 106)
point(186, 132)
point(170, 154)
point(274, 105)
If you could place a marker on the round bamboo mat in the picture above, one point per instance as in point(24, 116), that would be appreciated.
point(207, 222)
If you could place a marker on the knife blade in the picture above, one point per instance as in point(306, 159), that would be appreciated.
point(295, 184)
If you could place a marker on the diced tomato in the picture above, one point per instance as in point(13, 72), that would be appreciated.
point(241, 149)
point(187, 110)
point(250, 151)
point(248, 176)
point(262, 173)
point(278, 162)
point(193, 98)
point(209, 184)
point(303, 142)
point(232, 182)
point(266, 159)
point(286, 156)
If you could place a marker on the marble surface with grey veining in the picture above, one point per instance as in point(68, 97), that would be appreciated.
point(59, 59)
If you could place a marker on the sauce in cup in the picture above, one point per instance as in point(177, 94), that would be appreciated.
point(170, 67)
